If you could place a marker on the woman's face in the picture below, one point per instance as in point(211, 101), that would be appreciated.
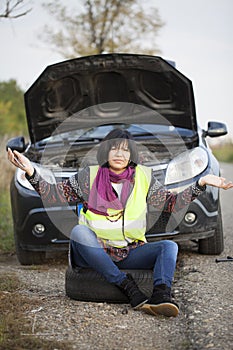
point(118, 157)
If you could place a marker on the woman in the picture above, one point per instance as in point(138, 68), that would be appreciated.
point(111, 231)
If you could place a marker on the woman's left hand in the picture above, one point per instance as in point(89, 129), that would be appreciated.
point(215, 181)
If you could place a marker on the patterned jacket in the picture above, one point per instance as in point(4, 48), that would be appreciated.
point(77, 188)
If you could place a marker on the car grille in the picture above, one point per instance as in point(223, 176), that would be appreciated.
point(163, 223)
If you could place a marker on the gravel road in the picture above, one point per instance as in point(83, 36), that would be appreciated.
point(202, 288)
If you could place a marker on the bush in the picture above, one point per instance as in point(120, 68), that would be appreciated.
point(12, 111)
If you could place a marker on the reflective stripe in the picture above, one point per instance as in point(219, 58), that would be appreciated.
point(109, 225)
point(118, 244)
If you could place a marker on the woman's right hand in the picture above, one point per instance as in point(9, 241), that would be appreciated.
point(20, 161)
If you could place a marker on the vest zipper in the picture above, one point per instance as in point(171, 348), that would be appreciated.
point(123, 224)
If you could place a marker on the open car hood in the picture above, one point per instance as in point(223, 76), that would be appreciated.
point(64, 93)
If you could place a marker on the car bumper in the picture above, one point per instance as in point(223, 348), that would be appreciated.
point(175, 226)
point(28, 212)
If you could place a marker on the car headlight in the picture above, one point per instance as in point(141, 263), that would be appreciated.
point(47, 174)
point(186, 165)
point(20, 177)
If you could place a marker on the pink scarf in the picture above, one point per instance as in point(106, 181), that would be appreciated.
point(102, 196)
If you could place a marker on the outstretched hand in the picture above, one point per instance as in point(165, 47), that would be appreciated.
point(215, 181)
point(20, 161)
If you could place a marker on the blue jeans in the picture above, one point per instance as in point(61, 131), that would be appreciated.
point(160, 256)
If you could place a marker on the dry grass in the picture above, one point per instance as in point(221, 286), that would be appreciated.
point(16, 330)
point(6, 226)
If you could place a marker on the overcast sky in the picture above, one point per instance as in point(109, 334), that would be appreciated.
point(198, 36)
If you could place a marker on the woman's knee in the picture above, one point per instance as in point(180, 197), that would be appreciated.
point(77, 232)
point(171, 246)
point(83, 235)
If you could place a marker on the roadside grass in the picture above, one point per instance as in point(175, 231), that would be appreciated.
point(17, 330)
point(6, 226)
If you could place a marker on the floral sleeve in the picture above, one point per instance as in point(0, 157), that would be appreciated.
point(69, 190)
point(162, 199)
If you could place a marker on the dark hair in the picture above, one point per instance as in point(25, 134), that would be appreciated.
point(115, 138)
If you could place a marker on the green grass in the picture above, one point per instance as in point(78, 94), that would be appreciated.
point(6, 226)
point(224, 153)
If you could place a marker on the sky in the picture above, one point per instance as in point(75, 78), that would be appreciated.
point(197, 35)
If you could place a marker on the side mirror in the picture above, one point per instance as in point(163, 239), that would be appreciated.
point(216, 129)
point(17, 144)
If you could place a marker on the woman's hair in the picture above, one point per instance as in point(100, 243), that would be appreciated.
point(115, 138)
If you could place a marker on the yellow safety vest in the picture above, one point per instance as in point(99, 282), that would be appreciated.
point(118, 229)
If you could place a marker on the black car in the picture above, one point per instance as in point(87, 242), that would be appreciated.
point(73, 105)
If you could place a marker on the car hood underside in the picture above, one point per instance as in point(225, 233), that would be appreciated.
point(109, 88)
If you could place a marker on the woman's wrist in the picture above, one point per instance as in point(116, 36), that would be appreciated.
point(201, 182)
point(30, 172)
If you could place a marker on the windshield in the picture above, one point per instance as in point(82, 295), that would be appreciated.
point(137, 130)
point(74, 142)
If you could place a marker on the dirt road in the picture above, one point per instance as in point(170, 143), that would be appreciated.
point(202, 287)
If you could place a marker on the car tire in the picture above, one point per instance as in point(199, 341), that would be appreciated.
point(213, 245)
point(88, 285)
point(29, 257)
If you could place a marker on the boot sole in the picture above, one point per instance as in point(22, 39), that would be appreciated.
point(139, 306)
point(165, 309)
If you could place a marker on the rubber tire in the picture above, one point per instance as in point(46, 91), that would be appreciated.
point(213, 245)
point(88, 285)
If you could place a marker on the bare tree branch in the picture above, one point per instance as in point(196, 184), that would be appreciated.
point(98, 26)
point(14, 9)
point(91, 20)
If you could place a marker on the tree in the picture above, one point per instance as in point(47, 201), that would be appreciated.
point(98, 26)
point(12, 111)
point(13, 9)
